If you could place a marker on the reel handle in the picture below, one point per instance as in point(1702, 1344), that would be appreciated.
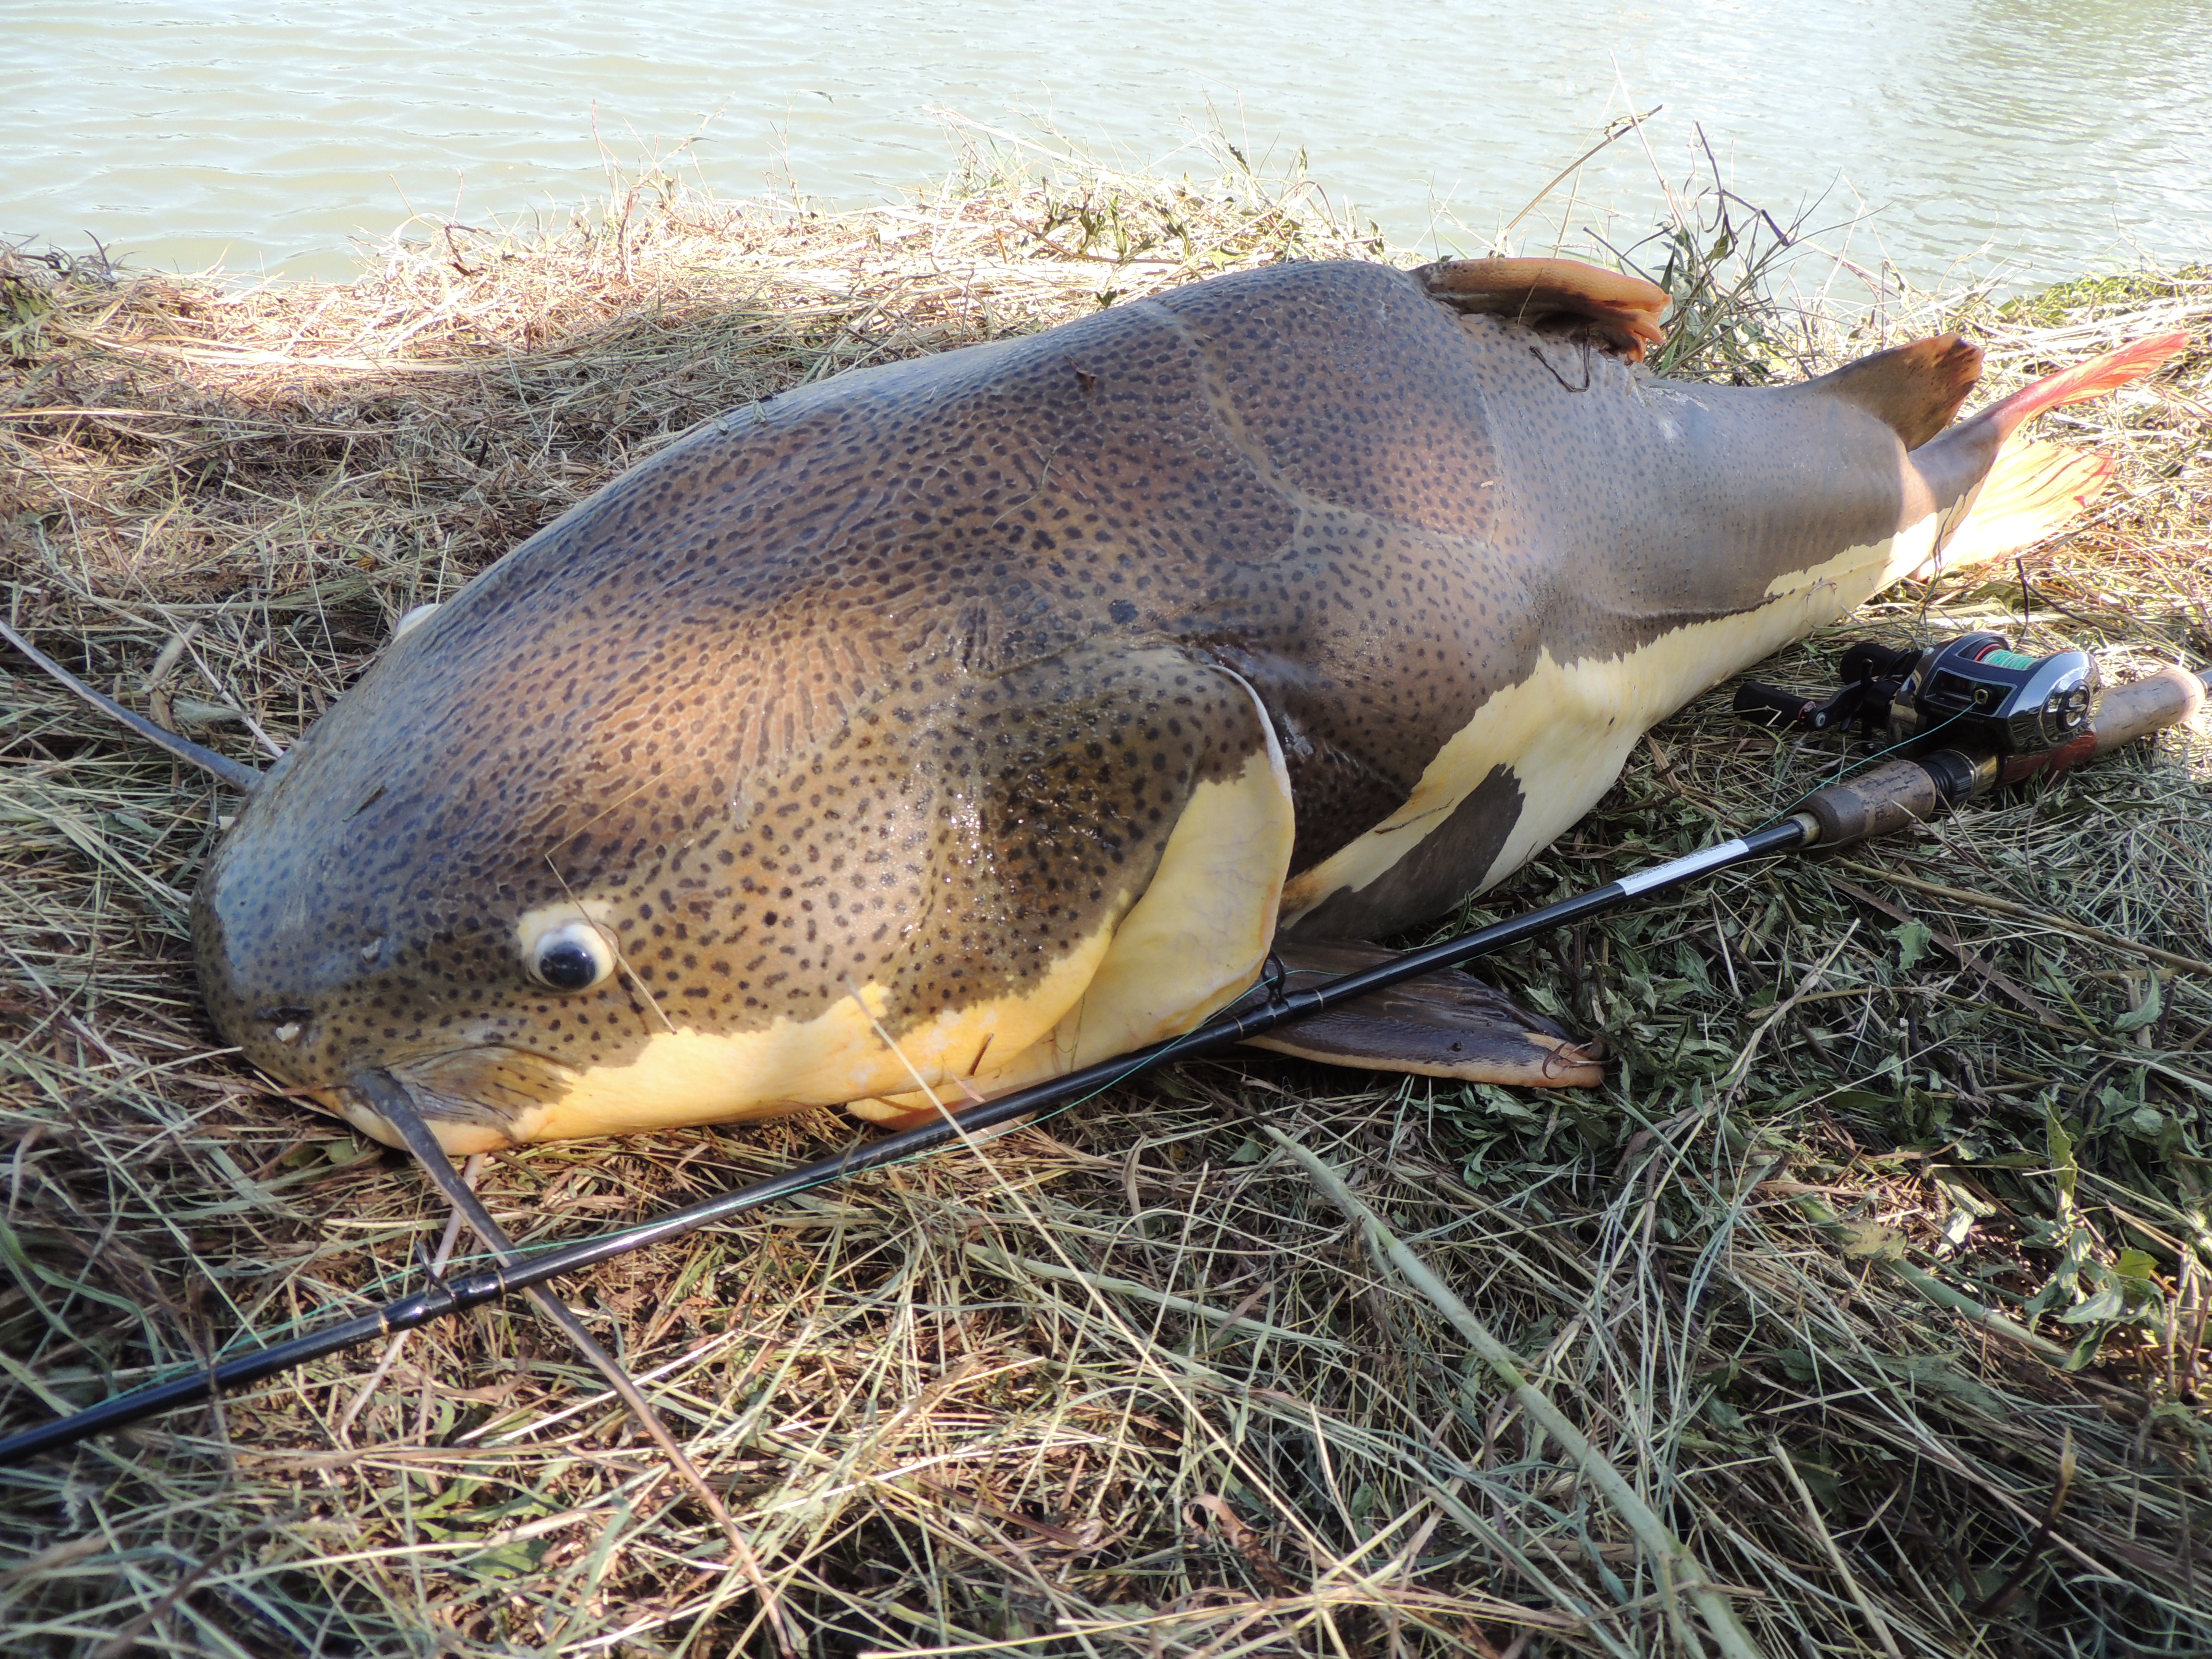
point(1771, 704)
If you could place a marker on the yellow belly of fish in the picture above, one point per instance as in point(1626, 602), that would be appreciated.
point(687, 1076)
point(1566, 731)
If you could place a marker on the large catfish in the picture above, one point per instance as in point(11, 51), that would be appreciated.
point(949, 724)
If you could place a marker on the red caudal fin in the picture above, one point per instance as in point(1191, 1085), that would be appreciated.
point(2031, 490)
point(2091, 380)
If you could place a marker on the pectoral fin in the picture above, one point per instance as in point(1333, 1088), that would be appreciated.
point(1195, 938)
point(1443, 1024)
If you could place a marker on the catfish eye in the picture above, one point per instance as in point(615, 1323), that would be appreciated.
point(573, 957)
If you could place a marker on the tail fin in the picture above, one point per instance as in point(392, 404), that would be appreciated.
point(2091, 380)
point(2033, 490)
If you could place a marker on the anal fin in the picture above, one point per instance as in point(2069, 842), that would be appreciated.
point(1443, 1024)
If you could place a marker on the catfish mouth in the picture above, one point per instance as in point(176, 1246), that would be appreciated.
point(476, 1099)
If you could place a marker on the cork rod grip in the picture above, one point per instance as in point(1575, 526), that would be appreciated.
point(2148, 705)
point(1873, 804)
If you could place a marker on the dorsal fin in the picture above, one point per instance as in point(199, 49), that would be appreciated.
point(1915, 389)
point(1621, 311)
point(244, 779)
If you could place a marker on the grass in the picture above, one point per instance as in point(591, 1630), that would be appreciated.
point(1877, 1271)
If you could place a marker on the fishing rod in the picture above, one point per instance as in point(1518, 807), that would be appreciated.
point(2002, 718)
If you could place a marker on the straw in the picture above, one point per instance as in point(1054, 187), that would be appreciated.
point(1127, 1384)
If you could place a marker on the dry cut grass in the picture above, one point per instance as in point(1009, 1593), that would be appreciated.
point(1877, 1271)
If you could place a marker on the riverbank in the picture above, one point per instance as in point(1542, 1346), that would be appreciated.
point(1125, 1384)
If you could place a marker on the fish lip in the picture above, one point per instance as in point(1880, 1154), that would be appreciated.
point(463, 1122)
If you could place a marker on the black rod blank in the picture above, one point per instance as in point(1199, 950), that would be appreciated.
point(1284, 1006)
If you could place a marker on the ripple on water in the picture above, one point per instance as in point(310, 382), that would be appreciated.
point(2055, 131)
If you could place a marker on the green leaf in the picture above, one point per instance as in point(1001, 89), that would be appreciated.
point(2135, 1264)
point(2084, 1351)
point(1820, 1480)
point(2102, 1308)
point(2064, 1170)
point(1859, 1100)
point(1871, 1239)
point(1497, 1102)
point(2065, 1280)
point(2153, 1005)
point(1913, 939)
point(514, 1560)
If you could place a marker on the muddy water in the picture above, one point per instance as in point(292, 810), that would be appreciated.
point(2045, 135)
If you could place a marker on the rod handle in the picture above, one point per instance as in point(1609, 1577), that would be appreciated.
point(1873, 803)
point(2148, 705)
point(1913, 791)
point(1903, 792)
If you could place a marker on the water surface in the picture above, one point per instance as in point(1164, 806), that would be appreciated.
point(2049, 135)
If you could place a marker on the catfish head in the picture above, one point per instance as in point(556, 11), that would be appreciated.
point(705, 805)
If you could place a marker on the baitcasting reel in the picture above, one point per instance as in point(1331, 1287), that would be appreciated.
point(1976, 691)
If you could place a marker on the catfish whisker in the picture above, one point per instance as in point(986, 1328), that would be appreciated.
point(390, 1099)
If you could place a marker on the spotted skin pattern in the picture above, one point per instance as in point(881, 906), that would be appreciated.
point(887, 694)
